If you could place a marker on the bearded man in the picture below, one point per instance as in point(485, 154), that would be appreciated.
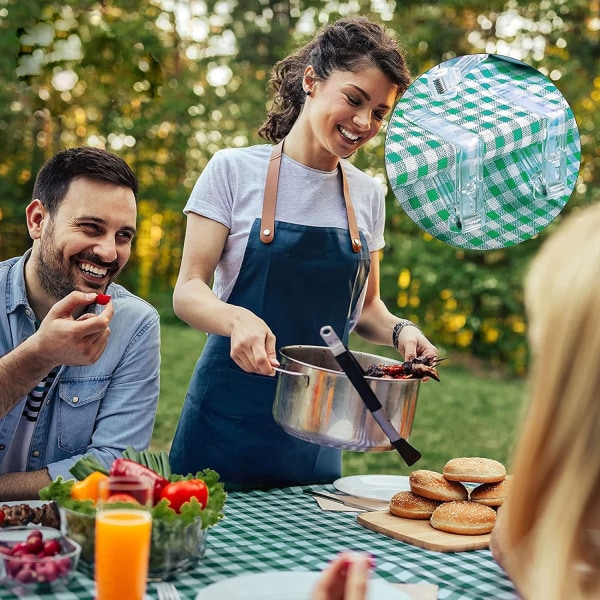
point(79, 354)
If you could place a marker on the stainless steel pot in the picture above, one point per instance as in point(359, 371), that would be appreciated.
point(316, 402)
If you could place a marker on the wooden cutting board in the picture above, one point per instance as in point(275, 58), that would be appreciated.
point(420, 533)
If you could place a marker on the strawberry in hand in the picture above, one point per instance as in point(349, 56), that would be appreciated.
point(102, 299)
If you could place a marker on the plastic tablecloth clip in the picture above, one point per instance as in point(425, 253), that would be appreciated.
point(443, 80)
point(463, 193)
point(548, 171)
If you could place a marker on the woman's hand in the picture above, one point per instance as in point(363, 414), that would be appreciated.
point(252, 344)
point(346, 578)
point(412, 343)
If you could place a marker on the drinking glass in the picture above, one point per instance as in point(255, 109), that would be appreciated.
point(123, 531)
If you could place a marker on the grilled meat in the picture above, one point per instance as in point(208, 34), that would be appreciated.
point(47, 514)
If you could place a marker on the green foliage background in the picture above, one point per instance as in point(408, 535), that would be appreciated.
point(165, 83)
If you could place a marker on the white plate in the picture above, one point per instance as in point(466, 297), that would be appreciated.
point(291, 585)
point(372, 487)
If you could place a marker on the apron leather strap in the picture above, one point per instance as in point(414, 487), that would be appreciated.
point(352, 226)
point(267, 224)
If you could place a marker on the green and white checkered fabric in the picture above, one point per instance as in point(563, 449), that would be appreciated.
point(284, 529)
point(418, 162)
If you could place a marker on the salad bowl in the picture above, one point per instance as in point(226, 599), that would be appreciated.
point(183, 510)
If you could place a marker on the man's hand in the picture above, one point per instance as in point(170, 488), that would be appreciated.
point(65, 340)
point(62, 339)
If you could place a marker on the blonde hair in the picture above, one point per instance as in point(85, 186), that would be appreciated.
point(554, 501)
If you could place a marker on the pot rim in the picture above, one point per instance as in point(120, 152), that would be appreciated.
point(388, 361)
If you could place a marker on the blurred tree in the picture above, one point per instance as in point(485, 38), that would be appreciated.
point(473, 300)
point(165, 83)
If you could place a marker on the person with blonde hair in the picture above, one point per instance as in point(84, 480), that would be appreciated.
point(547, 536)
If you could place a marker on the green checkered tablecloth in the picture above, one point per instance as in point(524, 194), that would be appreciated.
point(421, 162)
point(284, 529)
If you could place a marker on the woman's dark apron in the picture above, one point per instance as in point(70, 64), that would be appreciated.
point(297, 279)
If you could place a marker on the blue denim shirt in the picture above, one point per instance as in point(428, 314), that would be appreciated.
point(98, 409)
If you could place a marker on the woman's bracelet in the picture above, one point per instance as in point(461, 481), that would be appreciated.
point(398, 327)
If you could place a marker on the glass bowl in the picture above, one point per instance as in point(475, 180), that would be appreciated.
point(36, 560)
point(175, 546)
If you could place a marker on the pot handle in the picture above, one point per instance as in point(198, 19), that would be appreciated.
point(296, 373)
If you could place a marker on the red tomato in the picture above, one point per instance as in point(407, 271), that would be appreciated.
point(102, 299)
point(182, 491)
point(120, 497)
point(2, 516)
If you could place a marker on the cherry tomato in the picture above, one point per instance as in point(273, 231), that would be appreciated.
point(2, 516)
point(178, 492)
point(120, 497)
point(102, 299)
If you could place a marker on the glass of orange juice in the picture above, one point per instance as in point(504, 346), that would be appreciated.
point(123, 530)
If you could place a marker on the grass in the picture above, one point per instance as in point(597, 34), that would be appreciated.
point(473, 411)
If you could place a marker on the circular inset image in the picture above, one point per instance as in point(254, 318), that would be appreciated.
point(482, 152)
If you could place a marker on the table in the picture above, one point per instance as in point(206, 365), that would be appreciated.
point(284, 529)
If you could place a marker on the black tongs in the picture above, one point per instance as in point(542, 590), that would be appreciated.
point(356, 375)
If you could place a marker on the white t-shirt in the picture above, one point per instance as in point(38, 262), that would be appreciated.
point(230, 191)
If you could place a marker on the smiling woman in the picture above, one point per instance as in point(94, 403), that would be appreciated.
point(290, 234)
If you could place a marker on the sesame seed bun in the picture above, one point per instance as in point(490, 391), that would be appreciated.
point(492, 494)
point(463, 517)
point(412, 506)
point(474, 470)
point(434, 486)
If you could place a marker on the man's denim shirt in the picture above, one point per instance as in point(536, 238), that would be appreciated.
point(98, 409)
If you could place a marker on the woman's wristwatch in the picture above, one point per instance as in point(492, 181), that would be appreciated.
point(398, 327)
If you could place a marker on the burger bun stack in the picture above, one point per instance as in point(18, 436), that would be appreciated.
point(444, 499)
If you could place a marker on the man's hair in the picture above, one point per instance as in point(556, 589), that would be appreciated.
point(52, 182)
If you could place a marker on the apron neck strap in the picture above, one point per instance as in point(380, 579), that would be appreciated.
point(267, 225)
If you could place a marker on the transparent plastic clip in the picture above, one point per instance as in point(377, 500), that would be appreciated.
point(443, 79)
point(464, 196)
point(548, 173)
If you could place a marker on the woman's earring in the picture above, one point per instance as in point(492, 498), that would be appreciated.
point(307, 92)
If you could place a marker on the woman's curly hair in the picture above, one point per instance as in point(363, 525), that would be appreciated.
point(349, 44)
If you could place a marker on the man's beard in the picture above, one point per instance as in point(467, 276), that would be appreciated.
point(57, 275)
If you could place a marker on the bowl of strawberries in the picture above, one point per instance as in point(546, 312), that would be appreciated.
point(36, 560)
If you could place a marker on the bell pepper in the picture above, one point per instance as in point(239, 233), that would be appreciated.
point(123, 467)
point(87, 489)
